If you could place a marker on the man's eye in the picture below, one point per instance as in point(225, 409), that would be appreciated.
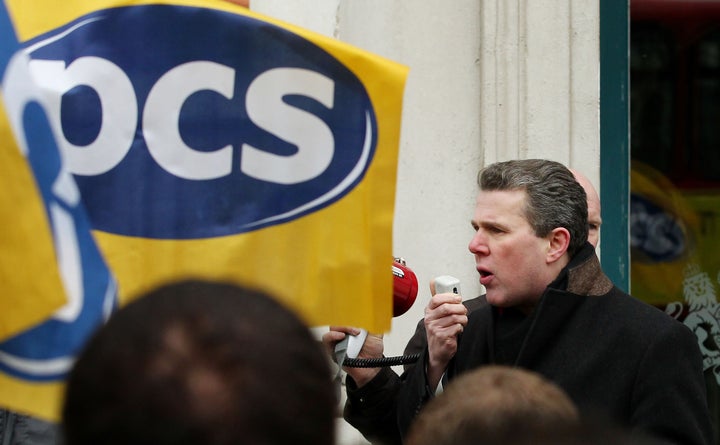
point(593, 227)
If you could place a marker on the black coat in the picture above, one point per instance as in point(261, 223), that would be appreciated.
point(613, 354)
point(371, 409)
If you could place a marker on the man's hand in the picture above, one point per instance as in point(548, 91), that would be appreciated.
point(445, 319)
point(372, 348)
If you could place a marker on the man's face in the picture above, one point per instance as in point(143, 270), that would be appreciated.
point(593, 202)
point(594, 220)
point(509, 257)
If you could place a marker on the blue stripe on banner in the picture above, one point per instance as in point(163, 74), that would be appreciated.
point(46, 351)
point(8, 41)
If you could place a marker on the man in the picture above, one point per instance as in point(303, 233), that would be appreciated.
point(201, 363)
point(418, 341)
point(359, 397)
point(593, 205)
point(551, 310)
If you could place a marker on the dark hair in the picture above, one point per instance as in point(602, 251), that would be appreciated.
point(527, 431)
point(490, 403)
point(554, 197)
point(201, 363)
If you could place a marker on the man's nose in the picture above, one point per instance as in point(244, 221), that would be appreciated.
point(478, 244)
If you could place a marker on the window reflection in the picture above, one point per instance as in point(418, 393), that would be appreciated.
point(675, 171)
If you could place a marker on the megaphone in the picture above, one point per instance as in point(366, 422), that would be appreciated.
point(405, 287)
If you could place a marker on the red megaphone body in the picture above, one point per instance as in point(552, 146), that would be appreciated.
point(405, 287)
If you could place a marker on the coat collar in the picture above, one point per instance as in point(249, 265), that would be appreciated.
point(584, 274)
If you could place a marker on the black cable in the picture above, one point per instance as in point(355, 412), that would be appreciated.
point(380, 362)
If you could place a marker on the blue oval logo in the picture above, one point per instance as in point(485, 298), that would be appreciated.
point(183, 123)
point(656, 235)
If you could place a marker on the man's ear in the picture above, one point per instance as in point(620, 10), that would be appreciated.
point(558, 243)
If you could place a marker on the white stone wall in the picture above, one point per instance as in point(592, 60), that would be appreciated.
point(489, 80)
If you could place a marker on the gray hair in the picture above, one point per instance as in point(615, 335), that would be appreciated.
point(554, 197)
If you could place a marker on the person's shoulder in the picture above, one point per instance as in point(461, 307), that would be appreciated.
point(638, 313)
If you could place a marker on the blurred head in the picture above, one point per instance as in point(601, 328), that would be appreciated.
point(530, 219)
point(201, 363)
point(593, 203)
point(490, 403)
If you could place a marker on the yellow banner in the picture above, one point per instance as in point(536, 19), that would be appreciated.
point(665, 232)
point(205, 141)
point(31, 285)
point(56, 288)
point(327, 251)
